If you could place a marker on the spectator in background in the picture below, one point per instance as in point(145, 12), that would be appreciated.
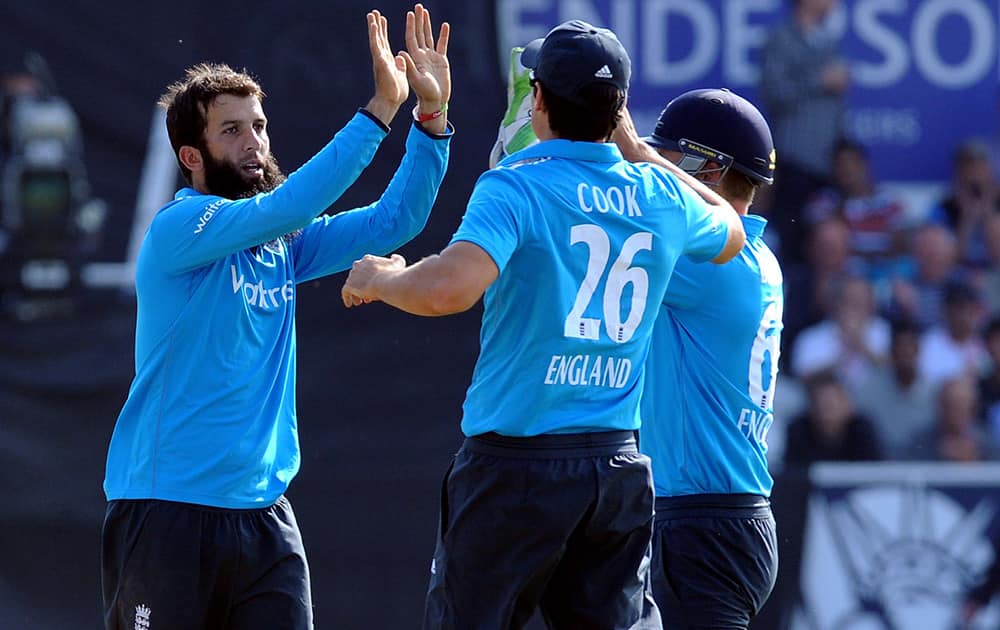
point(876, 218)
point(988, 279)
point(917, 293)
point(954, 348)
point(809, 286)
point(989, 384)
point(830, 429)
point(957, 435)
point(993, 142)
point(802, 84)
point(896, 397)
point(851, 341)
point(974, 196)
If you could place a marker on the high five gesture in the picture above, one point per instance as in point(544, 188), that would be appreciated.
point(391, 88)
point(427, 68)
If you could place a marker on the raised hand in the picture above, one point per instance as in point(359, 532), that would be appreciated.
point(629, 143)
point(391, 86)
point(427, 66)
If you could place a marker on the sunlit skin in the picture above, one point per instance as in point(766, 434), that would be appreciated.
point(236, 134)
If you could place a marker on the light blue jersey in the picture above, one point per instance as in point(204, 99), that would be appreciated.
point(210, 417)
point(585, 243)
point(707, 403)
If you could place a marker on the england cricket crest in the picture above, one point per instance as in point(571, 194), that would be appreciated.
point(896, 546)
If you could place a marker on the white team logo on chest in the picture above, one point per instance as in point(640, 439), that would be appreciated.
point(260, 295)
point(269, 253)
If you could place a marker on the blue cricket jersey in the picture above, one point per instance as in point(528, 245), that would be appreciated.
point(585, 243)
point(210, 417)
point(707, 404)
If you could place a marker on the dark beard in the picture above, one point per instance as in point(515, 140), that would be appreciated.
point(226, 180)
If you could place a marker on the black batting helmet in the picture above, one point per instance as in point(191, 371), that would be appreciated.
point(720, 126)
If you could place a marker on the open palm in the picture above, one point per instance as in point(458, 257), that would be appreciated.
point(389, 69)
point(427, 66)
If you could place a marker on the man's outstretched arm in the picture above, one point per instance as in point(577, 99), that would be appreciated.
point(443, 284)
point(330, 244)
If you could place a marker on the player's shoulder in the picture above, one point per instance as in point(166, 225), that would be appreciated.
point(657, 178)
point(190, 200)
point(767, 264)
point(518, 177)
point(188, 207)
point(497, 179)
point(646, 169)
point(514, 163)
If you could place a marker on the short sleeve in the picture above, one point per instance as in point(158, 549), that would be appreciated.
point(491, 218)
point(706, 228)
point(707, 232)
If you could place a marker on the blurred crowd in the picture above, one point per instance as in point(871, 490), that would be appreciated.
point(891, 345)
point(891, 341)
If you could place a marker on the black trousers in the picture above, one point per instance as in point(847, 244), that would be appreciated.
point(715, 560)
point(177, 566)
point(560, 523)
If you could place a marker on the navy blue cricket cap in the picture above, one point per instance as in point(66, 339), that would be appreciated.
point(721, 126)
point(575, 55)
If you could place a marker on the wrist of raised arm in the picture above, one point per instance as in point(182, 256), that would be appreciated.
point(433, 122)
point(382, 108)
point(638, 151)
point(427, 107)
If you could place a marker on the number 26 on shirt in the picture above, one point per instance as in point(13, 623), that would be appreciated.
point(620, 275)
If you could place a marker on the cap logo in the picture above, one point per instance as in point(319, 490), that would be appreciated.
point(603, 73)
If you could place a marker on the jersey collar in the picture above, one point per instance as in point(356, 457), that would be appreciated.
point(586, 151)
point(753, 225)
point(187, 191)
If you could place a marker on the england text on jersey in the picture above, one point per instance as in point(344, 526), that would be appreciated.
point(585, 370)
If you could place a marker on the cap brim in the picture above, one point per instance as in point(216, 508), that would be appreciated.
point(529, 57)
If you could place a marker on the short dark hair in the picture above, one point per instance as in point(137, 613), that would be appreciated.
point(736, 185)
point(186, 102)
point(593, 123)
